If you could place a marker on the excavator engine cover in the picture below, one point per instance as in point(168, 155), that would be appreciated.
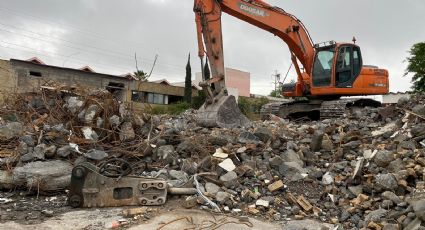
point(91, 189)
point(223, 113)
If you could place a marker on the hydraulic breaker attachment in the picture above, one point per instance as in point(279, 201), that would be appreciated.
point(89, 188)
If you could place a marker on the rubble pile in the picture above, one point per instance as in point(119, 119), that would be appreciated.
point(365, 169)
point(43, 135)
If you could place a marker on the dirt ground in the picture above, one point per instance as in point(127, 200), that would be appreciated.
point(25, 211)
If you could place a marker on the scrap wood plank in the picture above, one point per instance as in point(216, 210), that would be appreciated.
point(304, 203)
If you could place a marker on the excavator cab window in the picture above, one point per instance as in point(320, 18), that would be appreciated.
point(322, 69)
point(348, 66)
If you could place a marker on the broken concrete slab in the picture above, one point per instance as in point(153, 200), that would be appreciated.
point(43, 176)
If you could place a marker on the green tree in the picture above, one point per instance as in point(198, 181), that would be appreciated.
point(188, 83)
point(275, 93)
point(207, 72)
point(416, 66)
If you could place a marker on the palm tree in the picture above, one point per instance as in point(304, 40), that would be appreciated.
point(142, 76)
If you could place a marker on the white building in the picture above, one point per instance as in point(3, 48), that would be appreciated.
point(392, 98)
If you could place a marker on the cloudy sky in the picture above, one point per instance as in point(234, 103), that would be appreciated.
point(105, 34)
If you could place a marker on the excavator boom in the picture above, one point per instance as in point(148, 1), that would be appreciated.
point(258, 13)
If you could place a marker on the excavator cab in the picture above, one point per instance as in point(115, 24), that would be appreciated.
point(338, 70)
point(336, 65)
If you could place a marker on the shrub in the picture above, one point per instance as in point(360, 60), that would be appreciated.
point(199, 100)
point(172, 109)
point(251, 107)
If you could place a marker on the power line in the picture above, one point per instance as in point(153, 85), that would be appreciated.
point(45, 20)
point(64, 40)
point(81, 49)
point(99, 36)
point(49, 54)
point(81, 31)
point(86, 33)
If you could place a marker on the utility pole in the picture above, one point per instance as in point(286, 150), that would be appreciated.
point(276, 82)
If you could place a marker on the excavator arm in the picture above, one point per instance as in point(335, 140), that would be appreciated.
point(258, 13)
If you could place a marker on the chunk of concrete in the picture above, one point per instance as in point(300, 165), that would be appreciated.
point(95, 154)
point(11, 130)
point(227, 165)
point(316, 141)
point(45, 176)
point(127, 132)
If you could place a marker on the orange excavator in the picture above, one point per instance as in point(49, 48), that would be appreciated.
point(325, 71)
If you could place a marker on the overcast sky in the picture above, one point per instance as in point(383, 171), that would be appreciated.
point(105, 34)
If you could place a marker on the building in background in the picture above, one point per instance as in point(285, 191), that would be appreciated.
point(30, 75)
point(160, 92)
point(238, 83)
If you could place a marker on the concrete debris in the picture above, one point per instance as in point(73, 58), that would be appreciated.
point(247, 137)
point(327, 179)
point(358, 171)
point(386, 182)
point(387, 128)
point(212, 188)
point(369, 154)
point(220, 154)
point(127, 132)
point(222, 197)
point(89, 133)
point(419, 208)
point(316, 141)
point(227, 165)
point(383, 158)
point(11, 130)
point(64, 151)
point(90, 113)
point(358, 168)
point(263, 203)
point(229, 176)
point(95, 154)
point(39, 176)
point(114, 121)
point(74, 104)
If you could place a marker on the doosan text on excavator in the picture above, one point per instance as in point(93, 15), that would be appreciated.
point(325, 71)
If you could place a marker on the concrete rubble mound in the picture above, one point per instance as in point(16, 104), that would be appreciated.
point(363, 170)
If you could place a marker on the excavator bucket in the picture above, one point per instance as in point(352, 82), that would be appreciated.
point(223, 113)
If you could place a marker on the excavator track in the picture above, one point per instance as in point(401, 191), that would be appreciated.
point(315, 109)
point(333, 109)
